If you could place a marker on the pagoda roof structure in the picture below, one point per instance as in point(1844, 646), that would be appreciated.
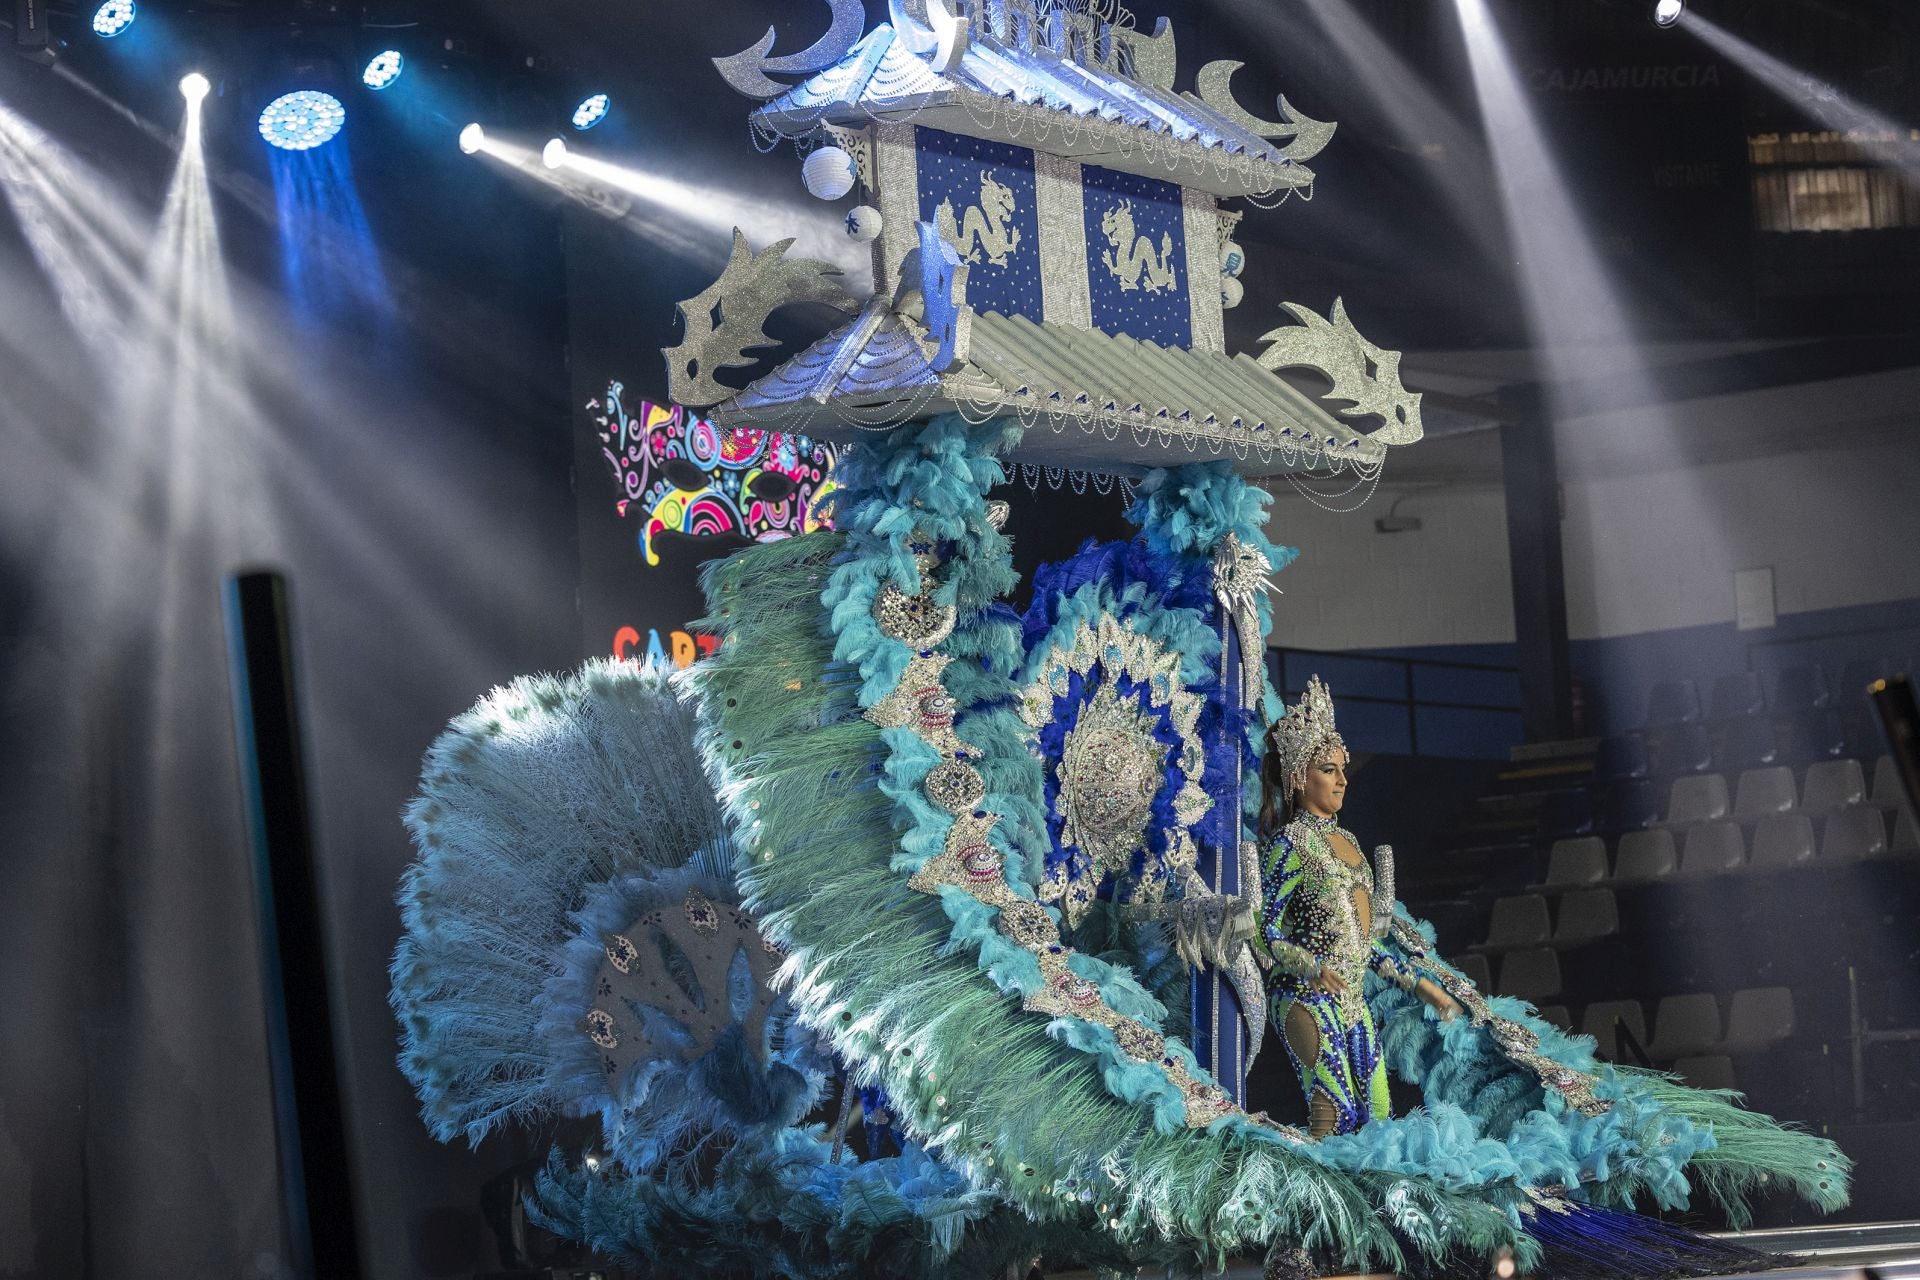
point(1043, 211)
point(1088, 399)
point(1083, 110)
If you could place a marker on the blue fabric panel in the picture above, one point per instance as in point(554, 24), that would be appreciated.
point(1137, 257)
point(981, 195)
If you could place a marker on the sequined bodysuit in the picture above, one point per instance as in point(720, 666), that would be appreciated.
point(1317, 910)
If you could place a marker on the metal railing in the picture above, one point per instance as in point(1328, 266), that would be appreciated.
point(1281, 671)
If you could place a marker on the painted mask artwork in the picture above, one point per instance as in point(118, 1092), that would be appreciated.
point(682, 474)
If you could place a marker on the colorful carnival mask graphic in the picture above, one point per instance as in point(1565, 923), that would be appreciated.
point(686, 475)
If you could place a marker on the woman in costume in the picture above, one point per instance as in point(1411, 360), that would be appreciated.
point(1319, 926)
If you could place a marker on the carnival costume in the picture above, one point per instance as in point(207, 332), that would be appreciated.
point(894, 838)
point(1321, 912)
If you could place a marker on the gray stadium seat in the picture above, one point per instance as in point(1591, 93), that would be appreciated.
point(1833, 784)
point(1700, 797)
point(1684, 1026)
point(1645, 855)
point(1581, 861)
point(1475, 970)
point(1886, 784)
point(1784, 840)
point(1557, 1014)
point(1518, 922)
point(1764, 791)
point(1853, 833)
point(1712, 848)
point(1906, 833)
point(1586, 914)
point(1759, 1017)
point(1532, 975)
point(1707, 1071)
point(1600, 1016)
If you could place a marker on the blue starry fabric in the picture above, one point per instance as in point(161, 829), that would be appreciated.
point(980, 195)
point(1137, 257)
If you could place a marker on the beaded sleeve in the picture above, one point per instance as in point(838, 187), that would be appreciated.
point(1279, 878)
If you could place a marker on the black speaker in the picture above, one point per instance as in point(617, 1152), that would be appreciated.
point(30, 31)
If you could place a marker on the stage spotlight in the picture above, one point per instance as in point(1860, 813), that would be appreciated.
point(384, 69)
point(592, 111)
point(554, 154)
point(1667, 12)
point(195, 87)
point(302, 120)
point(113, 17)
point(472, 138)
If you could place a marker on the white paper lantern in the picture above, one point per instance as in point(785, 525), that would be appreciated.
point(863, 223)
point(828, 173)
point(1231, 291)
point(1233, 259)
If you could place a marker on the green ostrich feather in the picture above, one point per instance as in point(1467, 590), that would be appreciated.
point(1752, 1152)
point(878, 969)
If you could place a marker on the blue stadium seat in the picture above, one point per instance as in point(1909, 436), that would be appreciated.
point(1568, 812)
point(1745, 742)
point(1672, 702)
point(1797, 689)
point(1621, 757)
point(1633, 805)
point(1813, 735)
point(1737, 694)
point(1680, 748)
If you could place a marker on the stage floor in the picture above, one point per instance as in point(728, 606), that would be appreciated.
point(1881, 1249)
point(1863, 1251)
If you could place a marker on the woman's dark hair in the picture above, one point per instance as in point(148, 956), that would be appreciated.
point(1276, 803)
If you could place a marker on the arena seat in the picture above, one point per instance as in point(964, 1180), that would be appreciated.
point(1680, 748)
point(1800, 688)
point(1758, 1018)
point(1783, 840)
point(1599, 1018)
point(1763, 791)
point(1586, 915)
point(1684, 1026)
point(1532, 975)
point(1672, 702)
point(1813, 735)
point(1632, 805)
point(1558, 1015)
point(1745, 742)
point(1621, 757)
point(1707, 1071)
point(1645, 855)
point(1712, 848)
point(1736, 694)
point(1475, 969)
point(1567, 812)
point(1887, 791)
point(1833, 784)
point(1906, 833)
point(1579, 861)
point(1697, 798)
point(1853, 833)
point(1519, 921)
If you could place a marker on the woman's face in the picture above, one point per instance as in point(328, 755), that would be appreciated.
point(1324, 789)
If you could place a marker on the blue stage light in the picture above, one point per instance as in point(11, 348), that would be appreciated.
point(592, 111)
point(113, 17)
point(384, 69)
point(303, 120)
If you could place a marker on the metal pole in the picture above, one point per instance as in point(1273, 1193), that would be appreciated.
point(310, 1123)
